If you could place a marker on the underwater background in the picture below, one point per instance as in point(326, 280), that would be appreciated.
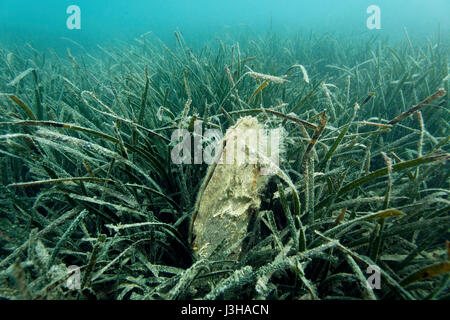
point(92, 205)
point(45, 21)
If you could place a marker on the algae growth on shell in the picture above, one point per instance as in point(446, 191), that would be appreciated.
point(230, 193)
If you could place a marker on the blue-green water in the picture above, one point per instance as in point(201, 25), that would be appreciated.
point(101, 20)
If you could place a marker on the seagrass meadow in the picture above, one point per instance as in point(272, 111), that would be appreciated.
point(362, 188)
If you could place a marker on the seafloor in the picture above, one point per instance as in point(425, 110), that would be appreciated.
point(357, 207)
